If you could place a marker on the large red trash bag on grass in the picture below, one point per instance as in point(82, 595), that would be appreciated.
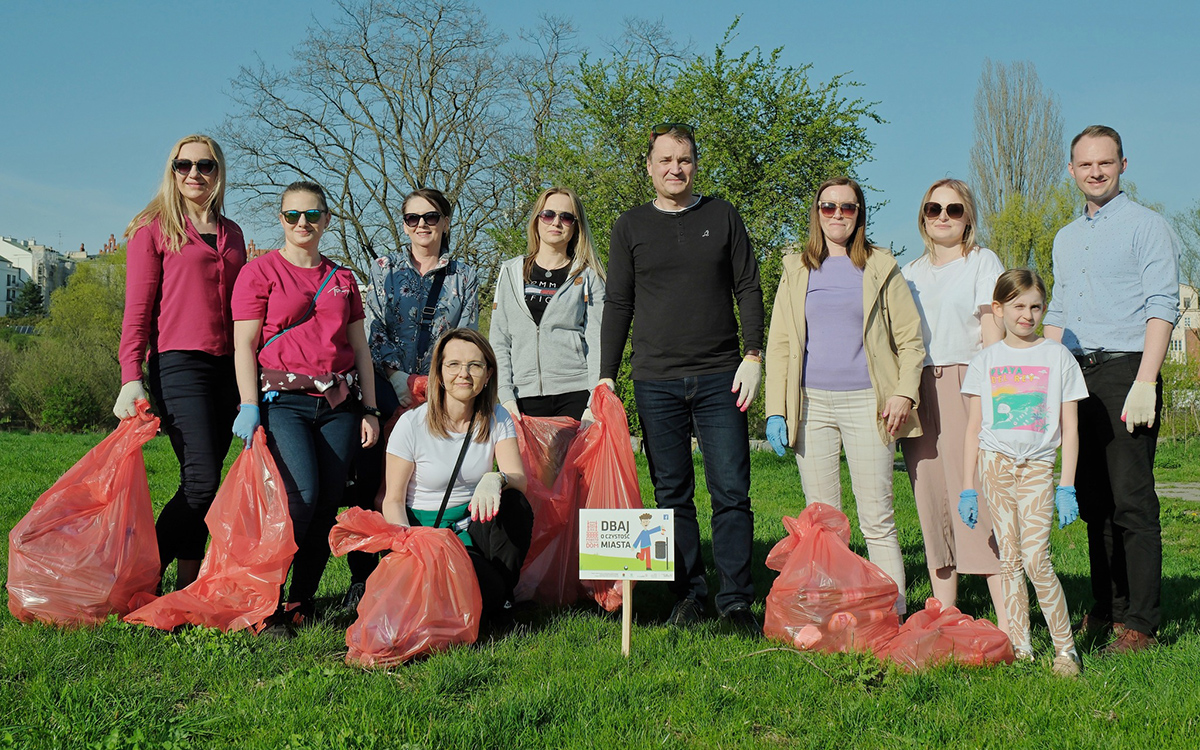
point(936, 635)
point(248, 559)
point(550, 574)
point(87, 546)
point(422, 598)
point(826, 597)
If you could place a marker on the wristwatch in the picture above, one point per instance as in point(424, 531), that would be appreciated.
point(503, 479)
point(372, 411)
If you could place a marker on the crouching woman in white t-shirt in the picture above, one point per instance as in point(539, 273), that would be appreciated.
point(441, 460)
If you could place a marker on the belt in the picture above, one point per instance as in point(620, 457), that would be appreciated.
point(1093, 359)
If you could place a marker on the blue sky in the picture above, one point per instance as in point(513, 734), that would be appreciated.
point(92, 94)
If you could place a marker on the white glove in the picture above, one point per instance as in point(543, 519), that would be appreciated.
point(1139, 405)
point(608, 382)
point(485, 502)
point(513, 411)
point(130, 393)
point(746, 381)
point(587, 419)
point(399, 381)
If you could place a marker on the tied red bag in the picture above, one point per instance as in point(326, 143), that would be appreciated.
point(827, 598)
point(936, 635)
point(252, 548)
point(422, 598)
point(87, 546)
point(550, 574)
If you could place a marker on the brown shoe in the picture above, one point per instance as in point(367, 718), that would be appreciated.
point(1129, 642)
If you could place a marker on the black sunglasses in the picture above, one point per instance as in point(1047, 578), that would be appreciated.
point(547, 216)
point(312, 215)
point(953, 210)
point(666, 127)
point(431, 218)
point(827, 208)
point(184, 166)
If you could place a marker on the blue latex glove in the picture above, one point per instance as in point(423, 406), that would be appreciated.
point(777, 433)
point(246, 423)
point(968, 507)
point(1068, 506)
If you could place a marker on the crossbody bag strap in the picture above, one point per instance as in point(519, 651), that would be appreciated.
point(425, 324)
point(312, 305)
point(462, 454)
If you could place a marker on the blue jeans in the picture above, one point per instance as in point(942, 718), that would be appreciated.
point(313, 446)
point(668, 409)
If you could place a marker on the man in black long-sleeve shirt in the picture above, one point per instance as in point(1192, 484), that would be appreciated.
point(675, 266)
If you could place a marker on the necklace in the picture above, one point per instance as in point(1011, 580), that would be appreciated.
point(550, 271)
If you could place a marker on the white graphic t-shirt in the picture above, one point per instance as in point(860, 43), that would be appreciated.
point(1021, 392)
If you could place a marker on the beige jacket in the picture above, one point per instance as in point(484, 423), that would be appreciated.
point(891, 336)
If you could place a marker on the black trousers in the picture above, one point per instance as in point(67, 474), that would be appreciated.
point(1115, 486)
point(196, 397)
point(500, 548)
point(556, 405)
point(368, 476)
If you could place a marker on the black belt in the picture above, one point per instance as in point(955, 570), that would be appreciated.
point(1098, 358)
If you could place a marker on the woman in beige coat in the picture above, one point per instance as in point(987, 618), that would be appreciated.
point(844, 358)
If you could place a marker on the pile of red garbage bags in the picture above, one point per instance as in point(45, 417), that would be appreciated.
point(829, 599)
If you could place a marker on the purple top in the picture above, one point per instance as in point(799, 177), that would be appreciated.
point(834, 358)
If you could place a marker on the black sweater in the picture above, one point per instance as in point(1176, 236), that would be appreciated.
point(675, 277)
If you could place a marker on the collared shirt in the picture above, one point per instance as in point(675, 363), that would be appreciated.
point(1113, 272)
point(395, 298)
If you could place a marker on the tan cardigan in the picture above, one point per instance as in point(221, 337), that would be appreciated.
point(891, 337)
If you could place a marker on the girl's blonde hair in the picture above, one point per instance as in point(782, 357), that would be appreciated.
point(968, 201)
point(167, 205)
point(1016, 281)
point(815, 249)
point(579, 249)
point(438, 418)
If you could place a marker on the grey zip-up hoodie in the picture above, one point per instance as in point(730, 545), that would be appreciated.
point(559, 356)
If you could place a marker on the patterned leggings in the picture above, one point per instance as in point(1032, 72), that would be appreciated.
point(1021, 500)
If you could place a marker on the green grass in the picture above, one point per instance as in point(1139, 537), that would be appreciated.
point(559, 680)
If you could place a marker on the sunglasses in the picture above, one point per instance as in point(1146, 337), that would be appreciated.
point(431, 218)
point(666, 127)
point(184, 166)
point(827, 208)
point(548, 217)
point(953, 210)
point(312, 215)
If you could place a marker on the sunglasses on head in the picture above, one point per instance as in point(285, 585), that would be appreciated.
point(953, 210)
point(312, 215)
point(828, 208)
point(184, 166)
point(547, 216)
point(431, 218)
point(666, 127)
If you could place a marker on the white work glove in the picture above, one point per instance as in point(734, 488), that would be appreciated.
point(399, 381)
point(485, 502)
point(130, 393)
point(608, 382)
point(1139, 405)
point(746, 381)
point(587, 419)
point(513, 411)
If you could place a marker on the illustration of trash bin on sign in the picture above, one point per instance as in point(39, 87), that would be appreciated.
point(660, 550)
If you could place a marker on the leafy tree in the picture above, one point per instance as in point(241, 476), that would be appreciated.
point(1022, 232)
point(29, 302)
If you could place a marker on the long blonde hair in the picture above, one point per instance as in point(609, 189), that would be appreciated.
point(815, 249)
point(167, 205)
point(579, 248)
point(437, 418)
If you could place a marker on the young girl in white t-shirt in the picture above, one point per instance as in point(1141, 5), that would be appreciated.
point(1022, 404)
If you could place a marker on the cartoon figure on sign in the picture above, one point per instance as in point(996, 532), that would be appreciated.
point(642, 543)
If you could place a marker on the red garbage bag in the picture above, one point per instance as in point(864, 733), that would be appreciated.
point(87, 546)
point(936, 635)
point(422, 598)
point(248, 559)
point(418, 386)
point(827, 598)
point(550, 574)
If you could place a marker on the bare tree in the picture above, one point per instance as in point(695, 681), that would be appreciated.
point(390, 96)
point(1018, 148)
point(1187, 225)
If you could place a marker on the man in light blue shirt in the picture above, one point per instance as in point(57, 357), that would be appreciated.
point(1116, 299)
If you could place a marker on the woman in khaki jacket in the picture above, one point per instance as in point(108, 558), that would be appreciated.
point(844, 358)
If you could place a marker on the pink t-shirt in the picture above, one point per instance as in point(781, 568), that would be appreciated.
point(178, 300)
point(276, 292)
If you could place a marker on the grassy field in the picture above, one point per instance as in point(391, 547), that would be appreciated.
point(558, 680)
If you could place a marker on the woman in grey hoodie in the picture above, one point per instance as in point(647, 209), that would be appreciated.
point(546, 317)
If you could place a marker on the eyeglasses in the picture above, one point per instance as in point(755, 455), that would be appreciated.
point(474, 369)
point(431, 218)
point(666, 127)
point(184, 166)
point(312, 215)
point(849, 210)
point(548, 217)
point(953, 210)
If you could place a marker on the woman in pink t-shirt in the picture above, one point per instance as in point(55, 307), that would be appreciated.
point(181, 261)
point(299, 341)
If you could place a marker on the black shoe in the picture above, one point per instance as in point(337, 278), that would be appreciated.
point(353, 596)
point(739, 620)
point(278, 625)
point(686, 613)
